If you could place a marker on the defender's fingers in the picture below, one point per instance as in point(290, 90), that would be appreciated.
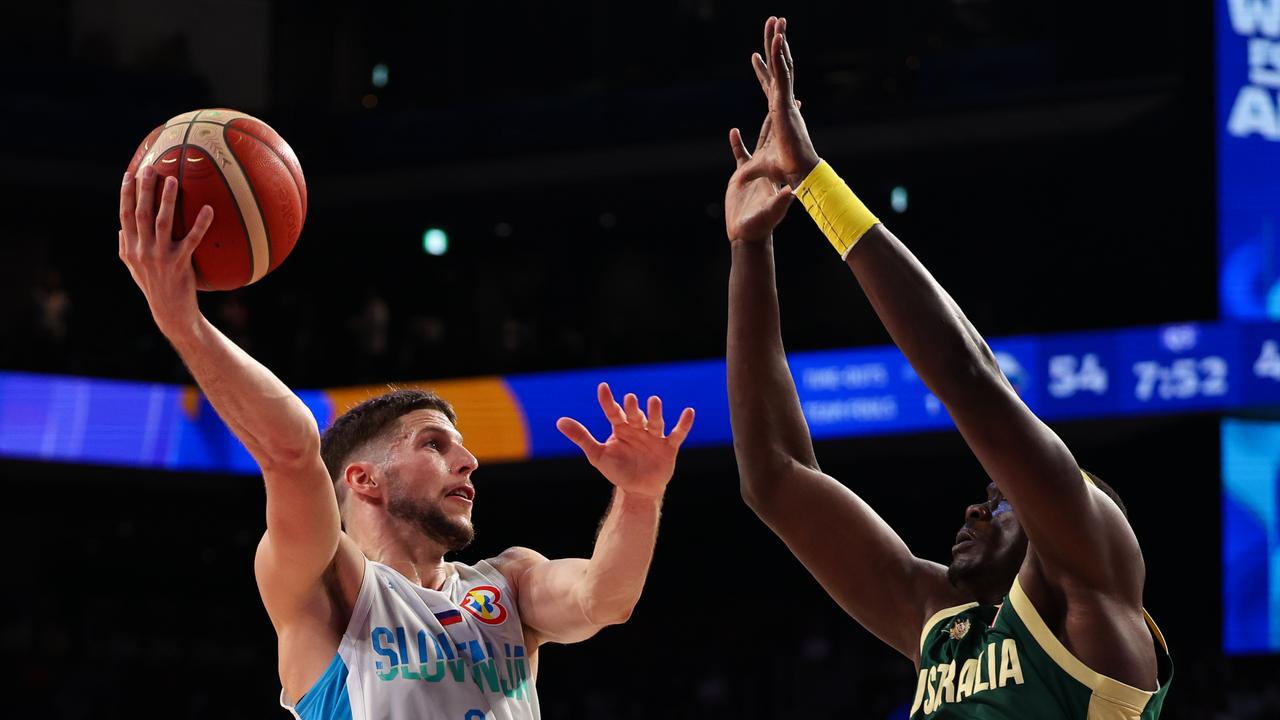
point(128, 203)
point(204, 220)
point(656, 423)
point(777, 58)
point(779, 203)
point(164, 216)
point(579, 435)
point(770, 28)
point(681, 430)
point(781, 69)
point(765, 127)
point(786, 47)
point(751, 171)
point(631, 404)
point(762, 71)
point(612, 410)
point(740, 153)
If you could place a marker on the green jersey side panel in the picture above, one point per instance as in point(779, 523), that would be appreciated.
point(988, 662)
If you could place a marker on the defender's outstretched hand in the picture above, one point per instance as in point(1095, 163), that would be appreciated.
point(637, 458)
point(753, 203)
point(788, 155)
point(160, 266)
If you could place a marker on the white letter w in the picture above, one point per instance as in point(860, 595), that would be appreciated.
point(1252, 16)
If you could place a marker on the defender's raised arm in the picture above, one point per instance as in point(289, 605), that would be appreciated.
point(853, 553)
point(1081, 552)
point(1072, 528)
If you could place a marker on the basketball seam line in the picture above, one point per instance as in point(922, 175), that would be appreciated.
point(253, 191)
point(227, 125)
point(226, 183)
point(239, 213)
point(178, 202)
point(280, 157)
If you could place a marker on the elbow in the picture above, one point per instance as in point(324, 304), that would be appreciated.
point(604, 614)
point(969, 367)
point(293, 452)
point(753, 489)
point(759, 482)
point(617, 618)
point(753, 475)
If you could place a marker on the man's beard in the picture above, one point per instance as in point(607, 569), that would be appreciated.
point(454, 533)
point(962, 571)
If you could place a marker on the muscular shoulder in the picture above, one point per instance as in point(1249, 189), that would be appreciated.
point(514, 562)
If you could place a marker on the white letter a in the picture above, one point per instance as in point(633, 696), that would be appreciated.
point(1253, 113)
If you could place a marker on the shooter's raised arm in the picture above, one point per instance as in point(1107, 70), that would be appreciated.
point(279, 431)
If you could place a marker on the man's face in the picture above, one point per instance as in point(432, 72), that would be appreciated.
point(990, 546)
point(428, 478)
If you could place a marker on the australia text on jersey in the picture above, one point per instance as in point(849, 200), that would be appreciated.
point(939, 684)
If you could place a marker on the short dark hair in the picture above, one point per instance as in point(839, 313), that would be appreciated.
point(370, 419)
point(1110, 492)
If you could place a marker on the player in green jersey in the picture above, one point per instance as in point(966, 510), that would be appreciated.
point(1039, 614)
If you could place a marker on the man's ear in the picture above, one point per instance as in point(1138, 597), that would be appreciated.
point(359, 479)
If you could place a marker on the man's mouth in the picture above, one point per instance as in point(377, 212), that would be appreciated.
point(965, 535)
point(466, 492)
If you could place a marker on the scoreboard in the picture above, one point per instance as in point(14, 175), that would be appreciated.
point(1152, 370)
point(1176, 368)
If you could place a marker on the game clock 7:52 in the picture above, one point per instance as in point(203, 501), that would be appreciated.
point(1183, 379)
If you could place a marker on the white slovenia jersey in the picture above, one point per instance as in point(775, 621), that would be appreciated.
point(410, 653)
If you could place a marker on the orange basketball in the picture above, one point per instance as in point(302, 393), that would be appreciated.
point(248, 174)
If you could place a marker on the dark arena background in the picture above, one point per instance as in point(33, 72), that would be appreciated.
point(533, 194)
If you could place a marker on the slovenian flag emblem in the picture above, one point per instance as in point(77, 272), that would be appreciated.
point(449, 617)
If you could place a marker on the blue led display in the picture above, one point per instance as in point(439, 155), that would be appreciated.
point(1248, 122)
point(1250, 536)
point(845, 393)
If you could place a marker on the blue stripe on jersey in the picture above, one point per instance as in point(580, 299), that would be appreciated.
point(327, 699)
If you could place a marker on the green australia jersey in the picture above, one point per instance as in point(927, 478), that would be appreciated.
point(984, 661)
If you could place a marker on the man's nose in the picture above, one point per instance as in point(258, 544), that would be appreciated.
point(977, 512)
point(467, 463)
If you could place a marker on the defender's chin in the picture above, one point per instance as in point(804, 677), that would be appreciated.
point(962, 568)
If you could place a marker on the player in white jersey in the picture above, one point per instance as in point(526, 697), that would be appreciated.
point(372, 621)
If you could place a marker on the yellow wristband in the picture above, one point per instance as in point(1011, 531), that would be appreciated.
point(839, 213)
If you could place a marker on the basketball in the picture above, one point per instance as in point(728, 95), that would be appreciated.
point(248, 174)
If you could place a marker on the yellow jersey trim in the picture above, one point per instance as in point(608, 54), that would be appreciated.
point(1155, 631)
point(1108, 690)
point(938, 617)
